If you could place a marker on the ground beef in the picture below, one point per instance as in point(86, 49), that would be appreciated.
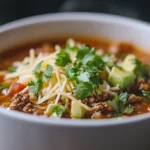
point(103, 107)
point(21, 102)
point(92, 100)
point(134, 99)
point(29, 108)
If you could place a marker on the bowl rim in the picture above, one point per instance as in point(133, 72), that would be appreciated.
point(72, 16)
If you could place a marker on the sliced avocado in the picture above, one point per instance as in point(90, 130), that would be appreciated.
point(56, 110)
point(51, 108)
point(121, 77)
point(128, 64)
point(77, 111)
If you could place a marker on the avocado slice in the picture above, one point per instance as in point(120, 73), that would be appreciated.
point(128, 64)
point(121, 77)
point(77, 111)
point(56, 110)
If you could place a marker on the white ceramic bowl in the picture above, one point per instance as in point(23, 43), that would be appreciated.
point(20, 131)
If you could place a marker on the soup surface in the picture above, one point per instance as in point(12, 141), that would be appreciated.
point(76, 79)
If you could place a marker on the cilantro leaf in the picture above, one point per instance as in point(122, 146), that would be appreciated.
point(107, 57)
point(142, 69)
point(85, 71)
point(58, 111)
point(146, 94)
point(12, 69)
point(31, 85)
point(114, 104)
point(84, 77)
point(62, 58)
point(38, 70)
point(47, 73)
point(128, 110)
point(119, 106)
point(90, 56)
point(83, 90)
point(72, 72)
point(82, 52)
point(2, 87)
point(108, 60)
point(123, 97)
point(35, 86)
point(95, 81)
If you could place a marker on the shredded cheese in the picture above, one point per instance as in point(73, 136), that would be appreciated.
point(58, 85)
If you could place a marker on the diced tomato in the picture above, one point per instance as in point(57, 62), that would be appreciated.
point(16, 88)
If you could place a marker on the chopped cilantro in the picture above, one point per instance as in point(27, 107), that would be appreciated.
point(85, 71)
point(72, 72)
point(82, 52)
point(108, 60)
point(12, 69)
point(146, 94)
point(62, 58)
point(57, 110)
point(142, 69)
point(84, 77)
point(123, 97)
point(2, 87)
point(47, 73)
point(119, 105)
point(35, 86)
point(114, 104)
point(38, 70)
point(128, 110)
point(83, 90)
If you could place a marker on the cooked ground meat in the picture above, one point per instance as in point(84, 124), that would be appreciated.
point(92, 100)
point(21, 103)
point(134, 99)
point(103, 107)
point(29, 108)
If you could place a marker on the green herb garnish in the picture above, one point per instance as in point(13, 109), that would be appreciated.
point(35, 86)
point(2, 87)
point(37, 71)
point(41, 76)
point(12, 69)
point(85, 71)
point(146, 94)
point(62, 58)
point(56, 110)
point(83, 90)
point(142, 69)
point(119, 104)
point(47, 73)
point(123, 97)
point(128, 110)
point(115, 104)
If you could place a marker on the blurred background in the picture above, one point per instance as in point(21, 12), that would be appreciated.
point(15, 9)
